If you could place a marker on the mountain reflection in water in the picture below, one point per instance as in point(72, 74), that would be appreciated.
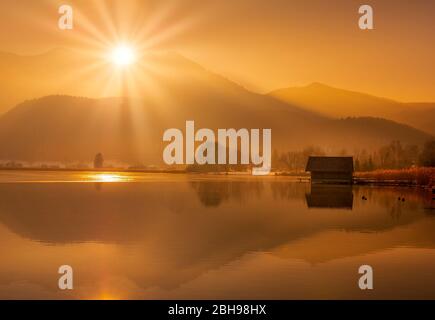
point(194, 236)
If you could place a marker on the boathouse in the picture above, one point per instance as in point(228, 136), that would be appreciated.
point(330, 169)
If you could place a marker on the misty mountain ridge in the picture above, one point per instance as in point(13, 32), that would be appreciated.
point(339, 103)
point(172, 90)
point(64, 128)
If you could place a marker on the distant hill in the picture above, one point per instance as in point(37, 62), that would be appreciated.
point(64, 128)
point(29, 77)
point(77, 73)
point(170, 90)
point(340, 103)
point(418, 115)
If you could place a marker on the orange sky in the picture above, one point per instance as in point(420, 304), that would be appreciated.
point(263, 45)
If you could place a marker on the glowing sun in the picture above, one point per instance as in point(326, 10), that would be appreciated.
point(123, 56)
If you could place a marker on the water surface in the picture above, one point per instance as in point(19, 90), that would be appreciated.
point(175, 236)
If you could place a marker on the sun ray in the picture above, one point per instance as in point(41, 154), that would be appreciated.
point(104, 12)
point(89, 28)
point(118, 47)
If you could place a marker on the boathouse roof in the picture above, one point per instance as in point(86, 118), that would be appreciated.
point(330, 164)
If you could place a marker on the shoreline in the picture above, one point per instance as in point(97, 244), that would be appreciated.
point(300, 177)
point(390, 183)
point(109, 170)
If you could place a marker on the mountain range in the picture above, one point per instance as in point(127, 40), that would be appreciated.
point(338, 103)
point(68, 127)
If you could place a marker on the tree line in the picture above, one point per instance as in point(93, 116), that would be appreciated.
point(395, 155)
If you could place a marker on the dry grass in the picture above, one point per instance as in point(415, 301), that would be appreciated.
point(417, 176)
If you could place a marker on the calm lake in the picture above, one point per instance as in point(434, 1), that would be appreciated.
point(175, 236)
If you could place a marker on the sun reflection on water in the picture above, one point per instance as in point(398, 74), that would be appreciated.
point(107, 296)
point(107, 177)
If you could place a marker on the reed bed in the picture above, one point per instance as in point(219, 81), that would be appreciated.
point(420, 176)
